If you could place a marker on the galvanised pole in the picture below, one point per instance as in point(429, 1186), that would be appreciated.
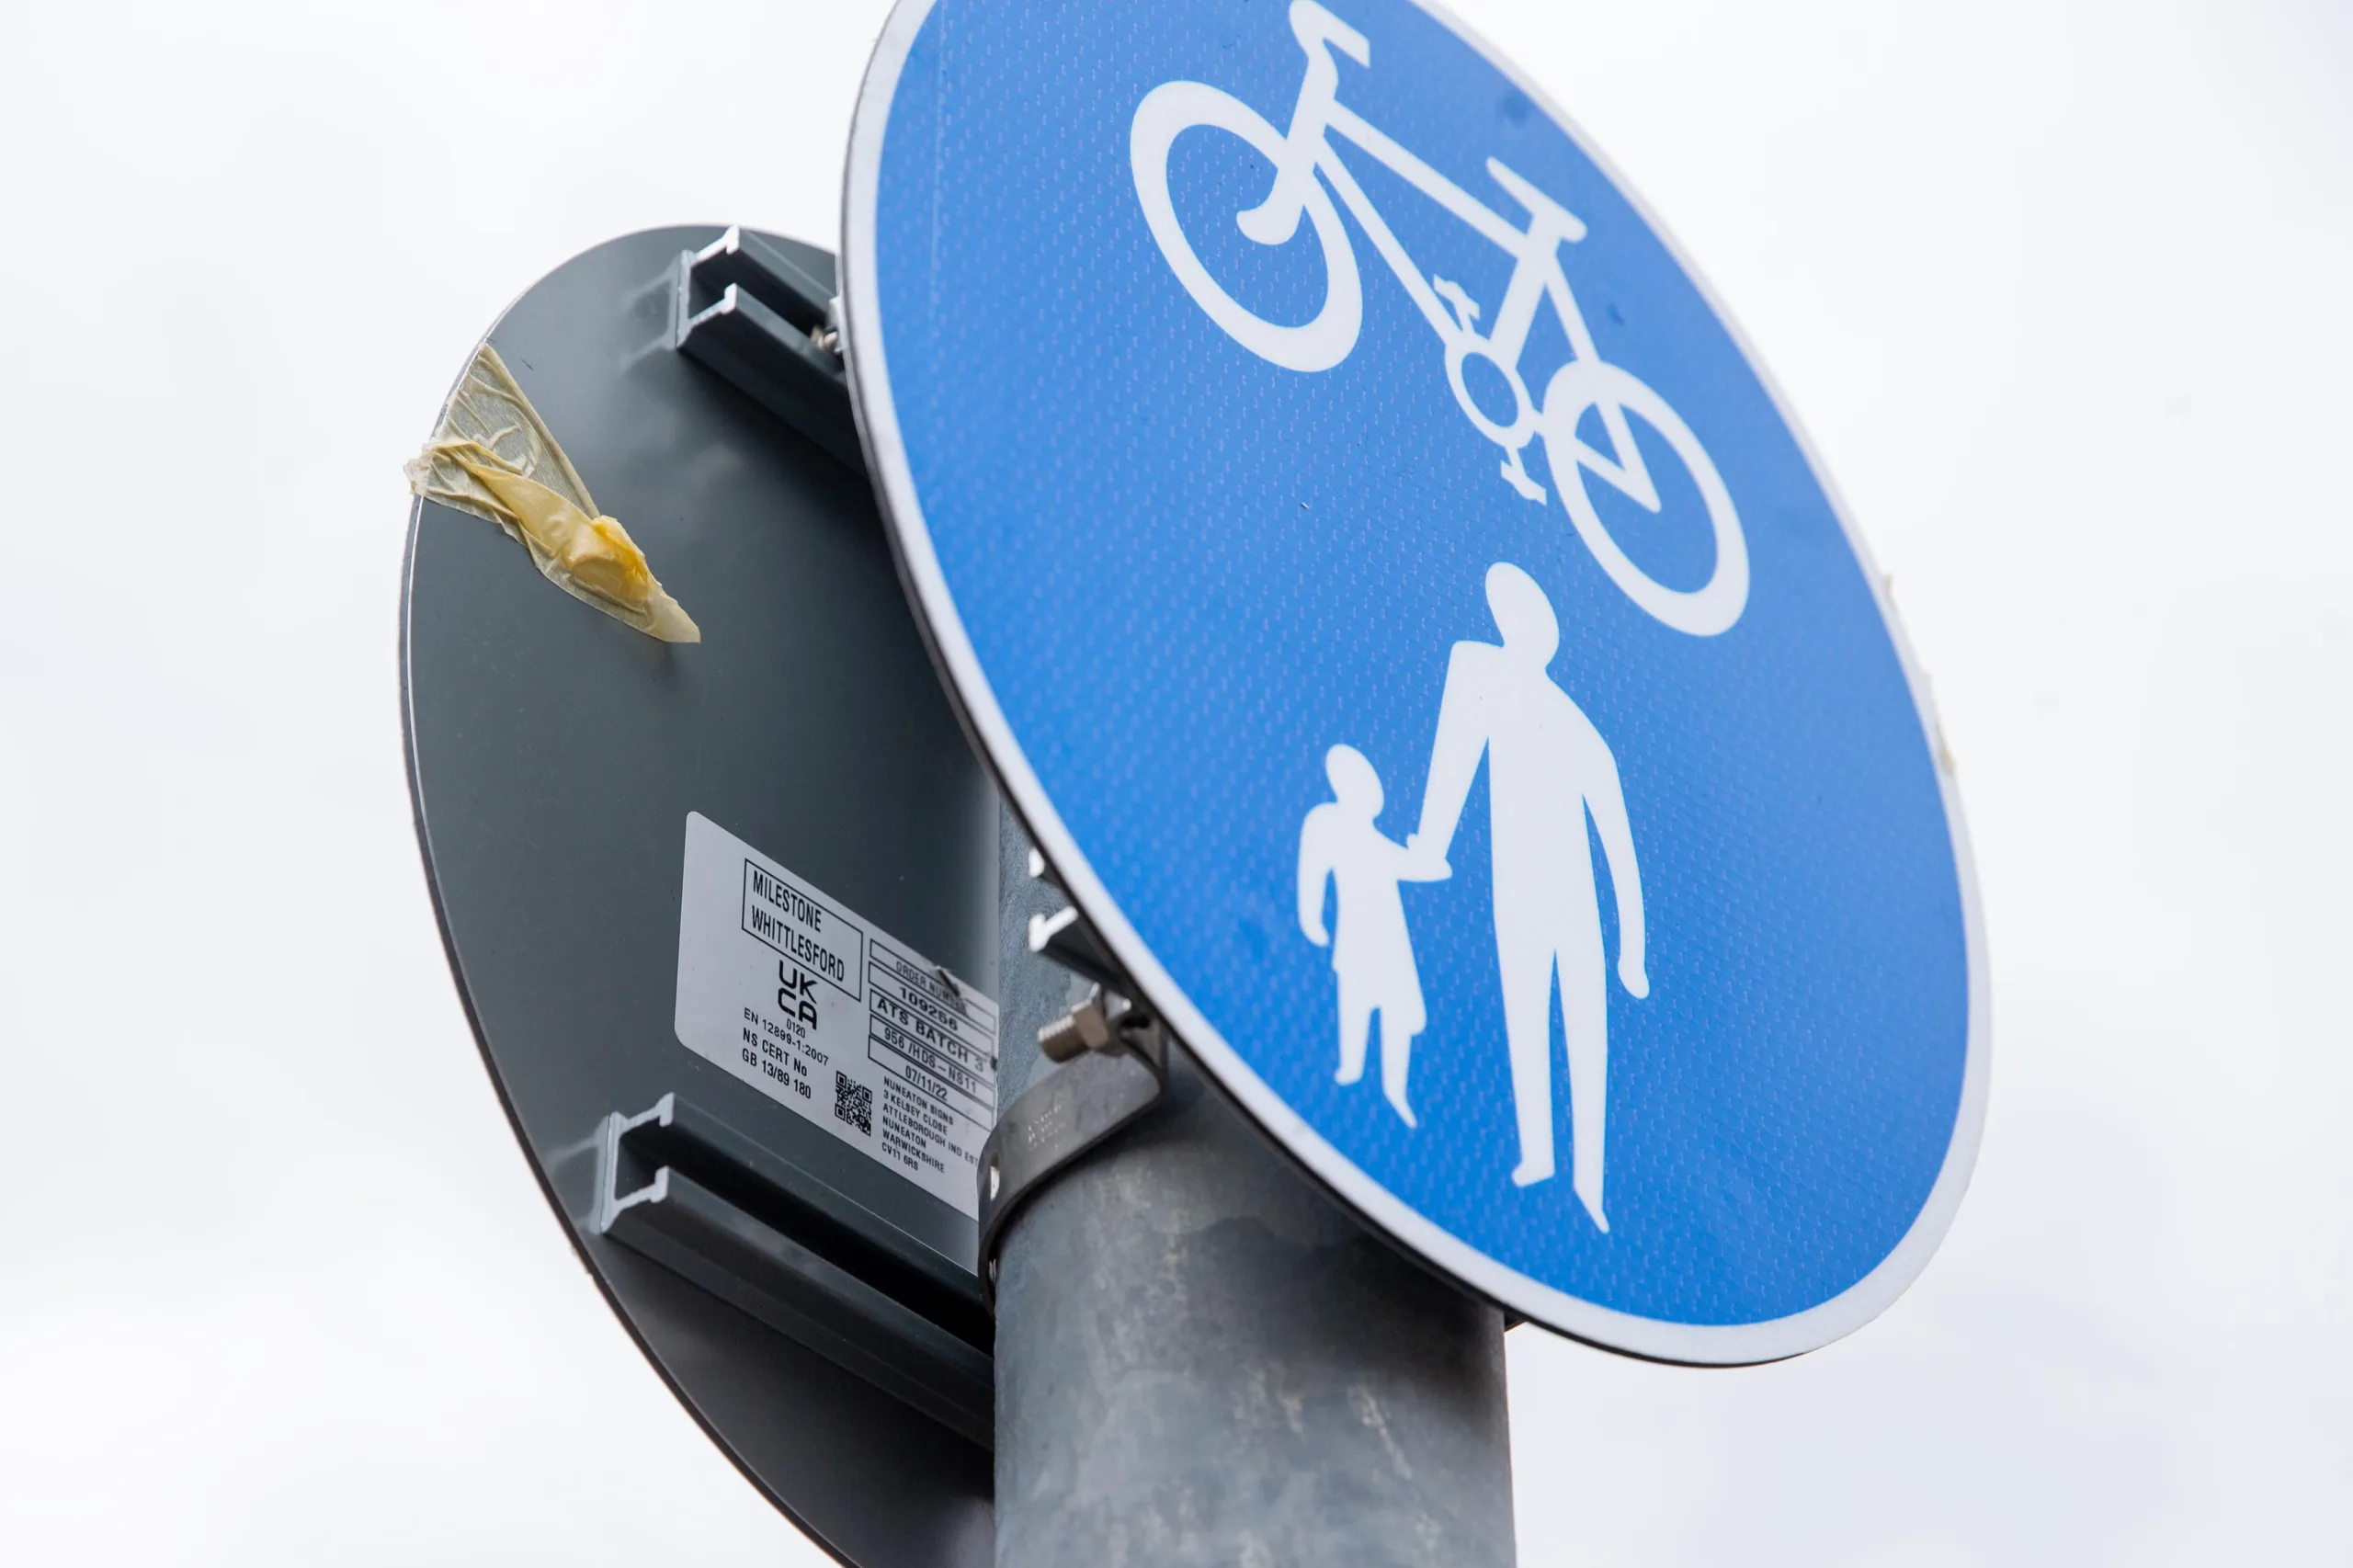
point(1203, 1362)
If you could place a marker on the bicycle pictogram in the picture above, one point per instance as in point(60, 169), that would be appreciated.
point(1306, 164)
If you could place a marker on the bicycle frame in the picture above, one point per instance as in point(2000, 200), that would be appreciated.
point(1536, 275)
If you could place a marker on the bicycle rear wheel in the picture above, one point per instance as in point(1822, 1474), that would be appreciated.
point(1703, 611)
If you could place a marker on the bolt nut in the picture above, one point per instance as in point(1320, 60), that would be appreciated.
point(1085, 1028)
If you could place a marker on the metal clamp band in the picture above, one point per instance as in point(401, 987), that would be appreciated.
point(1100, 1089)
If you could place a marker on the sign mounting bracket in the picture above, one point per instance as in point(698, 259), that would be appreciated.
point(1114, 1057)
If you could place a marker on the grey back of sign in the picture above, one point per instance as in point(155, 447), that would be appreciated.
point(555, 755)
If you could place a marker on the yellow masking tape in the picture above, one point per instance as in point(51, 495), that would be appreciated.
point(493, 457)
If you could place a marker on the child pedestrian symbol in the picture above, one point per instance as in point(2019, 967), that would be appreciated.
point(1372, 954)
point(1549, 772)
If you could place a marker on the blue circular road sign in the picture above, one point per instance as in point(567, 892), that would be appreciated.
point(1426, 650)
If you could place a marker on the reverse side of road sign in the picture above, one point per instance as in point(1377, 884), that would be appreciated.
point(699, 899)
point(1426, 650)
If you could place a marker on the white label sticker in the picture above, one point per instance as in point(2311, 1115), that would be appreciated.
point(832, 1018)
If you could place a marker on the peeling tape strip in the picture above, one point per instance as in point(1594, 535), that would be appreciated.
point(493, 457)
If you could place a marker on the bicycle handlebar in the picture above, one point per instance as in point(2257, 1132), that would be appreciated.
point(1315, 27)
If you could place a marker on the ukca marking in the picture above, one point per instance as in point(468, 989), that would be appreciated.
point(898, 1034)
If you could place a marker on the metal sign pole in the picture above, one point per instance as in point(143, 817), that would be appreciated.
point(1202, 1359)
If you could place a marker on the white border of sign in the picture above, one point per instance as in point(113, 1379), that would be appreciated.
point(1699, 1344)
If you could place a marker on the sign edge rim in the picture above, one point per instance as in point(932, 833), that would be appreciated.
point(1710, 1344)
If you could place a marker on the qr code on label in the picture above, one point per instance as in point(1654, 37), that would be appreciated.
point(853, 1103)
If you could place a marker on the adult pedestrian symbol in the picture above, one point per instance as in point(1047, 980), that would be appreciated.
point(1426, 649)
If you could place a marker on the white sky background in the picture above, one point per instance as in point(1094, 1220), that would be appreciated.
point(2060, 292)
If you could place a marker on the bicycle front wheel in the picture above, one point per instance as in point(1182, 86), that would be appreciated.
point(1167, 112)
point(1584, 384)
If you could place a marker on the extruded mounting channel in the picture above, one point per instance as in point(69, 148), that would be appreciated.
point(744, 309)
point(683, 1188)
